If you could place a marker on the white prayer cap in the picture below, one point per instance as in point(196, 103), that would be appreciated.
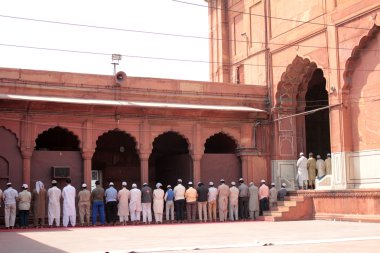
point(158, 185)
point(124, 183)
point(134, 185)
point(111, 183)
point(251, 183)
point(145, 184)
point(190, 183)
point(233, 183)
point(222, 180)
point(25, 186)
point(273, 184)
point(9, 183)
point(241, 180)
point(169, 186)
point(262, 181)
point(211, 183)
point(283, 185)
point(179, 180)
point(318, 157)
point(301, 154)
point(54, 181)
point(84, 185)
point(329, 155)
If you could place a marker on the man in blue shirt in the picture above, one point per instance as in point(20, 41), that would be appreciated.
point(169, 198)
point(111, 204)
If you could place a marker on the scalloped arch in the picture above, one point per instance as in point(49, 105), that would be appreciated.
point(297, 73)
point(120, 131)
point(355, 56)
point(14, 134)
point(62, 128)
point(158, 134)
point(229, 135)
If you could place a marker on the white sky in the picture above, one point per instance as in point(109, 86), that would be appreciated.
point(162, 16)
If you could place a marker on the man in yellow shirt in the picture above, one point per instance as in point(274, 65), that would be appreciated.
point(191, 202)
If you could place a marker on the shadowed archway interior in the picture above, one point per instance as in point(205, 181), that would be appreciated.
point(317, 124)
point(116, 158)
point(220, 159)
point(170, 160)
point(57, 139)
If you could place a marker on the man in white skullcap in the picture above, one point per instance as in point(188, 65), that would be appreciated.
point(281, 193)
point(179, 200)
point(263, 197)
point(69, 210)
point(243, 199)
point(321, 167)
point(191, 202)
point(223, 193)
point(272, 196)
point(211, 201)
point(202, 196)
point(84, 205)
point(328, 164)
point(123, 207)
point(169, 205)
point(234, 202)
point(146, 202)
point(54, 204)
point(158, 203)
point(10, 197)
point(254, 205)
point(24, 198)
point(302, 173)
point(111, 204)
point(135, 204)
point(39, 204)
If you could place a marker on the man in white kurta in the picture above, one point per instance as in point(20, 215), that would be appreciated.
point(254, 206)
point(135, 204)
point(69, 212)
point(158, 203)
point(302, 173)
point(123, 209)
point(328, 164)
point(321, 167)
point(272, 196)
point(223, 193)
point(234, 202)
point(54, 205)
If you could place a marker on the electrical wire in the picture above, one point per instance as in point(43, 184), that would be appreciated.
point(172, 34)
point(163, 58)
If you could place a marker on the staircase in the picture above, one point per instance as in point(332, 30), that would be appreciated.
point(293, 208)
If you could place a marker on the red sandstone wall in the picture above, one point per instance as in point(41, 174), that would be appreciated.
point(217, 166)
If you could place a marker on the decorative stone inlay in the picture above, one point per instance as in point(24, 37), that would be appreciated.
point(338, 194)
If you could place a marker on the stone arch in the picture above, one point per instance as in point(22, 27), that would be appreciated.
point(354, 59)
point(208, 134)
point(43, 141)
point(216, 135)
point(184, 136)
point(14, 134)
point(116, 158)
point(170, 159)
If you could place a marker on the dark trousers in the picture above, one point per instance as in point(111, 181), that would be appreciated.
point(264, 205)
point(24, 215)
point(179, 206)
point(191, 210)
point(111, 212)
point(243, 207)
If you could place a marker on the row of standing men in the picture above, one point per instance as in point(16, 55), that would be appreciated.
point(242, 202)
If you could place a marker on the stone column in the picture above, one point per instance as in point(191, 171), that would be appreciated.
point(144, 168)
point(87, 166)
point(197, 168)
point(26, 156)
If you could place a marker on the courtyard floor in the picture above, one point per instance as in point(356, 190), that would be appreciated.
point(255, 236)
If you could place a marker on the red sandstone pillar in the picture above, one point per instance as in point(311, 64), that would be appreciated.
point(87, 167)
point(244, 167)
point(144, 168)
point(26, 156)
point(197, 168)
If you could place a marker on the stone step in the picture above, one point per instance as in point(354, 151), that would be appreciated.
point(294, 198)
point(273, 213)
point(287, 203)
point(281, 209)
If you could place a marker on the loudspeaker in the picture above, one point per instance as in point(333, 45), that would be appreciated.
point(120, 77)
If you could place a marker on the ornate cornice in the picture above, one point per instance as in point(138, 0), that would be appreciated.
point(339, 194)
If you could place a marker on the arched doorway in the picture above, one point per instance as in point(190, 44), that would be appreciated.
point(220, 159)
point(317, 124)
point(116, 159)
point(56, 156)
point(170, 160)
